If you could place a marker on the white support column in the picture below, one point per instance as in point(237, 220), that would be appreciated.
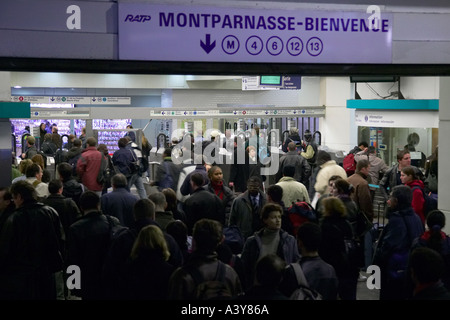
point(338, 126)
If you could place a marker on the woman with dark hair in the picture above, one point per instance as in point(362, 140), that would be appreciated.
point(48, 146)
point(336, 230)
point(216, 185)
point(110, 169)
point(42, 132)
point(431, 172)
point(172, 204)
point(178, 230)
point(341, 189)
point(409, 178)
point(436, 239)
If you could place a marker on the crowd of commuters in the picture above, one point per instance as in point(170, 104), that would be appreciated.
point(166, 244)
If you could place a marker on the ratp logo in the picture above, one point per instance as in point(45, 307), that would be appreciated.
point(137, 18)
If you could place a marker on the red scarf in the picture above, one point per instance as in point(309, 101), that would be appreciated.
point(218, 188)
point(426, 235)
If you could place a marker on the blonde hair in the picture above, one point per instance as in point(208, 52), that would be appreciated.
point(150, 239)
point(293, 130)
point(333, 207)
point(24, 164)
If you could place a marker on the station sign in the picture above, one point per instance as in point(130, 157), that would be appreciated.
point(219, 34)
point(169, 113)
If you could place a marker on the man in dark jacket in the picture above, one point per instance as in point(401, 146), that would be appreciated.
point(119, 203)
point(71, 188)
point(360, 147)
point(395, 242)
point(167, 173)
point(302, 167)
point(202, 204)
point(240, 168)
point(207, 236)
point(31, 148)
point(246, 208)
point(123, 158)
point(29, 248)
point(7, 206)
point(67, 209)
point(186, 188)
point(73, 155)
point(88, 241)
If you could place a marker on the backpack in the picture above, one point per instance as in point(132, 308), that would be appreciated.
point(103, 171)
point(430, 203)
point(215, 289)
point(60, 156)
point(167, 180)
point(299, 213)
point(303, 291)
point(298, 145)
point(73, 162)
point(349, 164)
point(114, 229)
point(234, 238)
point(134, 166)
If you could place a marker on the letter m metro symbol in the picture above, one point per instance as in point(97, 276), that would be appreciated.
point(230, 44)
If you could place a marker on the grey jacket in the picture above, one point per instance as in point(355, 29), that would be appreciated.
point(377, 165)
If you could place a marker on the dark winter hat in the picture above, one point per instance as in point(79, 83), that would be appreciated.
point(307, 133)
point(322, 157)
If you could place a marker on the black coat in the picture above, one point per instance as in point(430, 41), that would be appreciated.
point(114, 276)
point(203, 204)
point(30, 253)
point(239, 172)
point(88, 241)
point(67, 209)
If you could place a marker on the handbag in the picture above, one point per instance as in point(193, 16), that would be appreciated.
point(431, 182)
point(363, 224)
point(134, 166)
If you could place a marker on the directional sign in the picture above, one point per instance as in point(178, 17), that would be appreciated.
point(197, 33)
point(71, 100)
point(110, 100)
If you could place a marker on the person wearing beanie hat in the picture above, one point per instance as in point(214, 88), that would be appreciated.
point(310, 147)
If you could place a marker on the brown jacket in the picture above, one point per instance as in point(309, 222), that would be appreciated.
point(361, 196)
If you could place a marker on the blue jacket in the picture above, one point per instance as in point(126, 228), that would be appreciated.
point(119, 203)
point(122, 159)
